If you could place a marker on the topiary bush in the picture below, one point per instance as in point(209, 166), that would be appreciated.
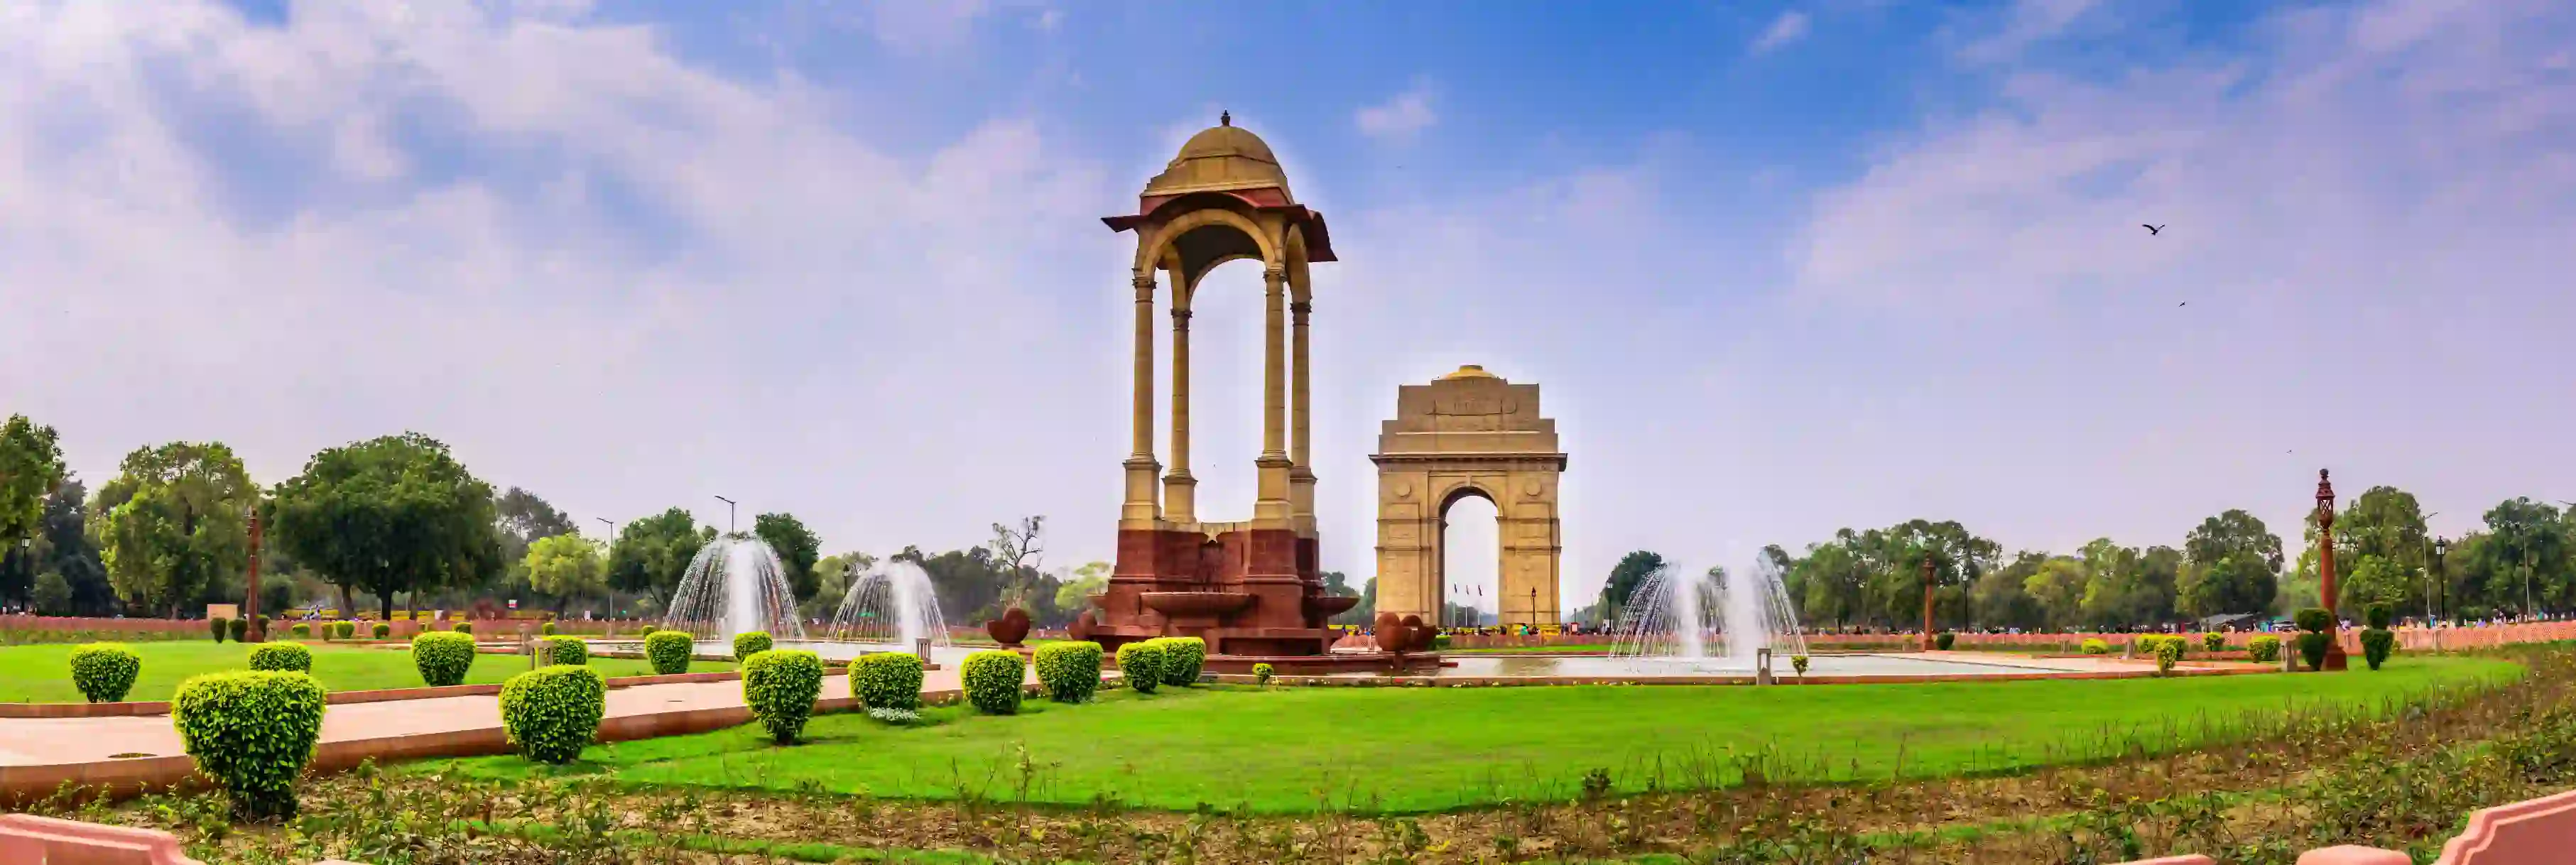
point(2376, 645)
point(780, 686)
point(442, 657)
point(1070, 670)
point(105, 671)
point(992, 681)
point(751, 643)
point(1182, 658)
point(2095, 646)
point(1944, 640)
point(1261, 674)
point(2378, 615)
point(301, 630)
point(2168, 653)
point(2313, 619)
point(669, 651)
point(382, 630)
point(551, 713)
point(2213, 642)
point(217, 626)
point(464, 628)
point(2312, 648)
point(1140, 665)
point(546, 630)
point(239, 628)
point(2264, 648)
point(282, 656)
point(887, 680)
point(252, 732)
point(1798, 663)
point(567, 651)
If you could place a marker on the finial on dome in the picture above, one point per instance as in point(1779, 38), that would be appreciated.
point(1225, 118)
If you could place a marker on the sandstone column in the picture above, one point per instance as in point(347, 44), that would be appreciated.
point(1139, 510)
point(1301, 476)
point(1180, 498)
point(1270, 504)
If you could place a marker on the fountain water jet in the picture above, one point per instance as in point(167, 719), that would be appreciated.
point(1718, 617)
point(892, 604)
point(734, 585)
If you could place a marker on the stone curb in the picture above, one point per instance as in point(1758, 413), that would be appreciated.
point(146, 708)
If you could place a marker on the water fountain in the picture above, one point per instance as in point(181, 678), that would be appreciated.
point(735, 585)
point(893, 604)
point(1720, 619)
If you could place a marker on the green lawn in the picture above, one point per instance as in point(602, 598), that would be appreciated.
point(1419, 749)
point(43, 673)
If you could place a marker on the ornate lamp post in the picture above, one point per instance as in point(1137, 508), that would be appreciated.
point(2440, 581)
point(1927, 603)
point(257, 632)
point(2326, 569)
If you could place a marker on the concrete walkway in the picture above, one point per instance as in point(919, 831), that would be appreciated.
point(39, 754)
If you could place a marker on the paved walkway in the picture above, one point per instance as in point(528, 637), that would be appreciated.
point(61, 741)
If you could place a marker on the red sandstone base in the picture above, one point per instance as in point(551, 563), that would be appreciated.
point(1247, 592)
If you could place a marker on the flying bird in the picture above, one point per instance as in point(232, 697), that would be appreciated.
point(2152, 229)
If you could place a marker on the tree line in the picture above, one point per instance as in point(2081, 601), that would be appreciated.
point(399, 519)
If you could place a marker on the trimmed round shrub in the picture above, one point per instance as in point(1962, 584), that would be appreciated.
point(551, 713)
point(282, 657)
point(382, 630)
point(2312, 648)
point(1182, 658)
point(239, 628)
point(218, 625)
point(1070, 671)
point(2376, 645)
point(1798, 663)
point(253, 732)
point(2095, 646)
point(2378, 615)
point(647, 632)
point(669, 651)
point(546, 630)
point(2213, 641)
point(780, 686)
point(2168, 653)
point(992, 681)
point(1140, 665)
point(463, 628)
point(105, 671)
point(301, 631)
point(1944, 640)
point(2314, 619)
point(2263, 648)
point(749, 643)
point(442, 657)
point(1261, 673)
point(887, 680)
point(568, 651)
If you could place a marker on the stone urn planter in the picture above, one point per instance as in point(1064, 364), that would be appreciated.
point(1010, 629)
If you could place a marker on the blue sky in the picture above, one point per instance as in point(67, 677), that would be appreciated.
point(1780, 268)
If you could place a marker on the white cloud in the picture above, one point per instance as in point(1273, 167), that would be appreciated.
point(1400, 118)
point(2027, 23)
point(1790, 27)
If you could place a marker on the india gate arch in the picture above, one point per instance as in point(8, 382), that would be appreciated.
point(1469, 433)
point(1251, 589)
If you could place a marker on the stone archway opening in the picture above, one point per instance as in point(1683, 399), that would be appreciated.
point(1470, 557)
point(1469, 433)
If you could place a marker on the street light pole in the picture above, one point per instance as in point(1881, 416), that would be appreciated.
point(611, 546)
point(2432, 614)
point(728, 513)
point(250, 605)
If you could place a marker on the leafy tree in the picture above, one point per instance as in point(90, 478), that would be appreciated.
point(2058, 587)
point(653, 553)
point(2232, 565)
point(2386, 522)
point(1093, 578)
point(391, 514)
point(174, 519)
point(522, 518)
point(1827, 583)
point(797, 549)
point(64, 548)
point(2375, 579)
point(833, 577)
point(1631, 572)
point(2529, 548)
point(1362, 613)
point(53, 595)
point(31, 467)
point(2001, 598)
point(565, 565)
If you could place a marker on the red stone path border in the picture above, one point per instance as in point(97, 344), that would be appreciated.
point(31, 840)
point(1519, 681)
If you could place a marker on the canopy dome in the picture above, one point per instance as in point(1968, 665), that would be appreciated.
point(1221, 158)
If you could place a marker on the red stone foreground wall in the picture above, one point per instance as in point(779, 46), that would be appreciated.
point(2407, 638)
